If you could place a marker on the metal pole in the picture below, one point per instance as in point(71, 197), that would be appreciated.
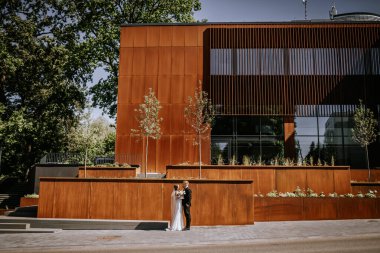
point(1, 151)
point(305, 3)
point(85, 164)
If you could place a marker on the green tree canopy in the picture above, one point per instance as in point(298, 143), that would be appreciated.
point(49, 50)
point(43, 72)
point(95, 135)
point(99, 22)
point(364, 131)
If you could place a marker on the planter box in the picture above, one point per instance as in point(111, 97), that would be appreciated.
point(290, 209)
point(278, 209)
point(327, 179)
point(28, 201)
point(108, 172)
point(364, 187)
point(214, 202)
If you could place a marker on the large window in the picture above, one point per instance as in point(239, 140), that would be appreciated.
point(239, 136)
point(321, 136)
point(295, 61)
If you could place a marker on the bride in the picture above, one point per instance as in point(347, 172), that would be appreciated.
point(176, 223)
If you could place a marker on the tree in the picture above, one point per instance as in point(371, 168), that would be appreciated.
point(364, 131)
point(43, 73)
point(199, 114)
point(49, 50)
point(94, 136)
point(149, 121)
point(99, 23)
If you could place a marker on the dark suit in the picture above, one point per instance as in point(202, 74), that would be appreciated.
point(186, 203)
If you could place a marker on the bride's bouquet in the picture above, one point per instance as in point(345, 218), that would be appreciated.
point(180, 194)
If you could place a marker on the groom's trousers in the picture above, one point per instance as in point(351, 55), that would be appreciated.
point(187, 216)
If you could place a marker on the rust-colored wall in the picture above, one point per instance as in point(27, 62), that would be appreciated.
point(268, 178)
point(107, 172)
point(362, 175)
point(168, 59)
point(149, 199)
point(28, 201)
point(286, 209)
point(365, 187)
point(171, 59)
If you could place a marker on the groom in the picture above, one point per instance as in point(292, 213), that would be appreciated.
point(186, 203)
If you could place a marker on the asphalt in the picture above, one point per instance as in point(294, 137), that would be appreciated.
point(290, 236)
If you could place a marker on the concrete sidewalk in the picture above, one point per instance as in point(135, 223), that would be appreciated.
point(328, 236)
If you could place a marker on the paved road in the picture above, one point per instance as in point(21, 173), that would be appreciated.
point(303, 236)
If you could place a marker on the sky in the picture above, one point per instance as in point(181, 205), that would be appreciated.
point(278, 10)
point(267, 10)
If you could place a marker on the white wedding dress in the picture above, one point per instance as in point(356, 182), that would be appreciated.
point(176, 223)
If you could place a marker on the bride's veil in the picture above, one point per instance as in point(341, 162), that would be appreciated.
point(173, 200)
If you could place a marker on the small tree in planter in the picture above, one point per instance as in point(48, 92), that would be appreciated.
point(199, 114)
point(364, 131)
point(149, 121)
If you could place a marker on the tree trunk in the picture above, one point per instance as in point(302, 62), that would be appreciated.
point(369, 170)
point(200, 155)
point(85, 164)
point(146, 156)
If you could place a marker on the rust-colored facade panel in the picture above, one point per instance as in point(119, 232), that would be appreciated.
point(178, 36)
point(191, 36)
point(166, 118)
point(124, 116)
point(127, 37)
point(138, 88)
point(178, 60)
point(176, 144)
point(177, 89)
point(124, 89)
point(200, 63)
point(177, 115)
point(201, 30)
point(190, 149)
point(166, 35)
point(122, 144)
point(191, 83)
point(163, 153)
point(165, 61)
point(126, 61)
point(191, 60)
point(164, 89)
point(153, 36)
point(151, 63)
point(139, 61)
point(140, 38)
point(151, 82)
point(174, 58)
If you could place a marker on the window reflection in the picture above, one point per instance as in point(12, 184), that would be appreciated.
point(301, 61)
point(259, 138)
point(326, 136)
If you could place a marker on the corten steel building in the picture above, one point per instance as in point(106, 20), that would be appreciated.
point(280, 89)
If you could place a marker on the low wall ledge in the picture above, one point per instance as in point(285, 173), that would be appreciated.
point(257, 167)
point(365, 183)
point(108, 168)
point(148, 180)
